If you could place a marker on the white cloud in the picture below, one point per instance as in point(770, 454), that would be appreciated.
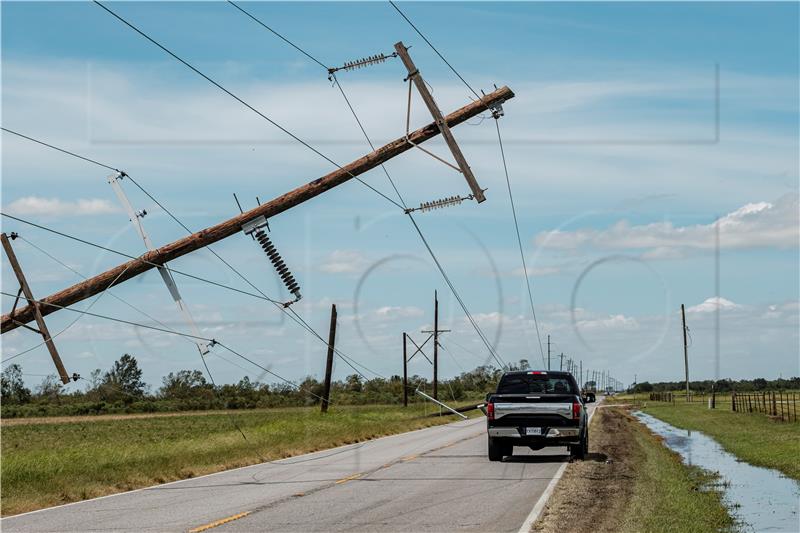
point(37, 205)
point(390, 312)
point(754, 225)
point(344, 262)
point(609, 322)
point(711, 304)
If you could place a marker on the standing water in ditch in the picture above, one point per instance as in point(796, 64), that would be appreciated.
point(761, 499)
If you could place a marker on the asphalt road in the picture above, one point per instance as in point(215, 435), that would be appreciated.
point(435, 479)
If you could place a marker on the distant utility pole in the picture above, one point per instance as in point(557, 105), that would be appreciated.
point(435, 345)
point(581, 378)
point(326, 391)
point(548, 351)
point(405, 373)
point(435, 334)
point(686, 351)
point(561, 362)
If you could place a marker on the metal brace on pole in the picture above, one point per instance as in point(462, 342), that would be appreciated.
point(427, 97)
point(440, 403)
point(26, 290)
point(136, 218)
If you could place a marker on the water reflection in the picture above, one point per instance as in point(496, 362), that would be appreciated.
point(762, 499)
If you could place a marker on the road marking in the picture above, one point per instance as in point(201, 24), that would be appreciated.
point(320, 454)
point(548, 491)
point(219, 522)
point(348, 478)
point(409, 458)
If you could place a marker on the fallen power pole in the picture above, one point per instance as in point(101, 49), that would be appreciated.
point(169, 252)
point(24, 289)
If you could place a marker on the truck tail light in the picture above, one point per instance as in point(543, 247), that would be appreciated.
point(490, 411)
point(576, 410)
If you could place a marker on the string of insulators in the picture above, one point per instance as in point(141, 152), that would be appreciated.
point(277, 261)
point(439, 204)
point(363, 62)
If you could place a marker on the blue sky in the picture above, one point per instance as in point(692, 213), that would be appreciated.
point(617, 172)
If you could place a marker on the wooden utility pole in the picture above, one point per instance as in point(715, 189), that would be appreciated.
point(326, 391)
point(416, 77)
point(152, 259)
point(435, 334)
point(37, 315)
point(405, 373)
point(435, 345)
point(548, 351)
point(686, 351)
point(561, 362)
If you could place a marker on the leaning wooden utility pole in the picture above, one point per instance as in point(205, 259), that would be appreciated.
point(685, 352)
point(326, 390)
point(37, 314)
point(153, 259)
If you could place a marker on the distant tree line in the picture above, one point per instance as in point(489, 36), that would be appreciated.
point(722, 385)
point(120, 389)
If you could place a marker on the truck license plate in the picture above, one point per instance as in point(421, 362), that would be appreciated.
point(533, 431)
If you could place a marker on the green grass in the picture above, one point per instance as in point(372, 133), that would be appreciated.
point(49, 464)
point(754, 438)
point(669, 496)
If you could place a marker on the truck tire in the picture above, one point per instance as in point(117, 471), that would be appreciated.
point(496, 450)
point(581, 450)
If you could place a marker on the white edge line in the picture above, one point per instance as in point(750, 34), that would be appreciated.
point(533, 516)
point(277, 461)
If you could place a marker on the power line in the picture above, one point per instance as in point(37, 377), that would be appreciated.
point(400, 197)
point(170, 331)
point(107, 291)
point(519, 239)
point(51, 337)
point(277, 304)
point(123, 254)
point(284, 39)
point(123, 321)
point(435, 50)
point(73, 154)
point(241, 101)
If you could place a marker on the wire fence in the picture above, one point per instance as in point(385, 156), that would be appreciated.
point(778, 405)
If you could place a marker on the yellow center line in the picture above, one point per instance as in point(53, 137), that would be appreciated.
point(410, 457)
point(219, 522)
point(346, 479)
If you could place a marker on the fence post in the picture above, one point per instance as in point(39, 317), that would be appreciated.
point(733, 401)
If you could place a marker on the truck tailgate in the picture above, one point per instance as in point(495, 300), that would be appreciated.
point(532, 405)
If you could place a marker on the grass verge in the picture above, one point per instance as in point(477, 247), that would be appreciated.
point(753, 438)
point(54, 463)
point(631, 482)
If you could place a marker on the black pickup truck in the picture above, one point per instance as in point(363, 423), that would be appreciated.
point(536, 408)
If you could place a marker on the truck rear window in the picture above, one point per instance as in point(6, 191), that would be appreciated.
point(534, 383)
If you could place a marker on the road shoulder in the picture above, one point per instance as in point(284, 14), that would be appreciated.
point(631, 482)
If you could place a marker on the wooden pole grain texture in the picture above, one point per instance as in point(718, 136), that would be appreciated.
point(169, 252)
